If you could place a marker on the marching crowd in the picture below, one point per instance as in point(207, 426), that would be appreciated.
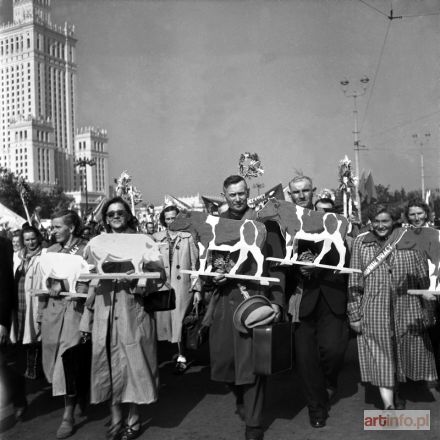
point(103, 348)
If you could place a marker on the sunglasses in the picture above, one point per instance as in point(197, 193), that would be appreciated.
point(112, 214)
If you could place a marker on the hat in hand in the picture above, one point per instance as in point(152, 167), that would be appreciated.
point(252, 312)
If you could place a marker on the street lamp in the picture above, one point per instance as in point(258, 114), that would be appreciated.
point(82, 163)
point(259, 186)
point(355, 92)
point(421, 143)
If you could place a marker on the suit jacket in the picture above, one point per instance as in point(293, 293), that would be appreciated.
point(7, 290)
point(323, 281)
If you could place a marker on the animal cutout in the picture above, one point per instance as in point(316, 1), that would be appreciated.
point(427, 241)
point(137, 248)
point(62, 267)
point(222, 234)
point(298, 223)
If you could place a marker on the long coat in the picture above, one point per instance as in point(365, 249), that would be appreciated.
point(185, 256)
point(393, 343)
point(124, 360)
point(32, 280)
point(60, 326)
point(231, 351)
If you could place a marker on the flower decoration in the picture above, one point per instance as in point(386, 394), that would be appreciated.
point(126, 190)
point(347, 179)
point(326, 193)
point(249, 165)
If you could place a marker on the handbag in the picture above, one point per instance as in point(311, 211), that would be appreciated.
point(194, 333)
point(161, 300)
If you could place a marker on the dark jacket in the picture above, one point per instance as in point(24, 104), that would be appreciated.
point(7, 295)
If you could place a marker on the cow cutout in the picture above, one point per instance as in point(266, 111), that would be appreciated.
point(222, 234)
point(62, 267)
point(298, 223)
point(139, 249)
point(427, 241)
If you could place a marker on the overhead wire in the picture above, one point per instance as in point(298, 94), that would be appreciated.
point(375, 74)
point(374, 8)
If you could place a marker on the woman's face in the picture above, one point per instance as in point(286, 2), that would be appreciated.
point(30, 240)
point(117, 217)
point(61, 231)
point(417, 216)
point(169, 217)
point(382, 225)
point(16, 244)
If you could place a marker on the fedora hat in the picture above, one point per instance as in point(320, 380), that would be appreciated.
point(252, 312)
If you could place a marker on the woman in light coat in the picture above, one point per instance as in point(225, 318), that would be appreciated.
point(124, 360)
point(392, 326)
point(61, 317)
point(178, 252)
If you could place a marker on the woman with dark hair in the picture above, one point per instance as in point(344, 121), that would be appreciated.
point(124, 361)
point(178, 252)
point(392, 325)
point(25, 330)
point(17, 246)
point(61, 317)
point(417, 213)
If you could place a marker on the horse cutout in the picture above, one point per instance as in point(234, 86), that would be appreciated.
point(298, 223)
point(427, 241)
point(222, 234)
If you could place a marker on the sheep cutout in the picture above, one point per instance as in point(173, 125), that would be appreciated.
point(136, 248)
point(63, 267)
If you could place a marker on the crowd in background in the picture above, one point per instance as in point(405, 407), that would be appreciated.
point(119, 335)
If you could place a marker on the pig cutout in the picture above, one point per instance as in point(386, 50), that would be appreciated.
point(137, 248)
point(62, 267)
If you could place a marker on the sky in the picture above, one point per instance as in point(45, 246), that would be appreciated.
point(185, 86)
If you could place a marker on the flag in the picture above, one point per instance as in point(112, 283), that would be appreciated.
point(212, 204)
point(96, 214)
point(258, 202)
point(366, 187)
point(370, 189)
point(428, 197)
point(171, 200)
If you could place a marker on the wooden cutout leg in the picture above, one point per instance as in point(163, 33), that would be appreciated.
point(142, 282)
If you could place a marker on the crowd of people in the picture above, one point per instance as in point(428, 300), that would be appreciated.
point(397, 333)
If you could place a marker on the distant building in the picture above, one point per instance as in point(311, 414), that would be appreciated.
point(38, 103)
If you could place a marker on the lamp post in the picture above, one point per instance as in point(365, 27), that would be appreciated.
point(421, 143)
point(355, 92)
point(82, 163)
point(258, 186)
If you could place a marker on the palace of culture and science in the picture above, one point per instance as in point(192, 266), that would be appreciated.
point(38, 134)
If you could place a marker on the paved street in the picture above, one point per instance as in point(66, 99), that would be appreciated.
point(193, 407)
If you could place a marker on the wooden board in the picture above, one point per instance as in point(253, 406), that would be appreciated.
point(262, 280)
point(118, 276)
point(421, 292)
point(307, 263)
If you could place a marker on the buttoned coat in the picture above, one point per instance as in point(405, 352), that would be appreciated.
point(185, 256)
point(124, 359)
point(60, 326)
point(231, 351)
point(394, 342)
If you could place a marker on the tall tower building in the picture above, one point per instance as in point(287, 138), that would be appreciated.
point(37, 101)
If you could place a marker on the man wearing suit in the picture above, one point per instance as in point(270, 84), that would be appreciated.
point(317, 304)
point(230, 350)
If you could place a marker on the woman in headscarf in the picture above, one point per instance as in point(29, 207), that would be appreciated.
point(392, 325)
point(178, 252)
